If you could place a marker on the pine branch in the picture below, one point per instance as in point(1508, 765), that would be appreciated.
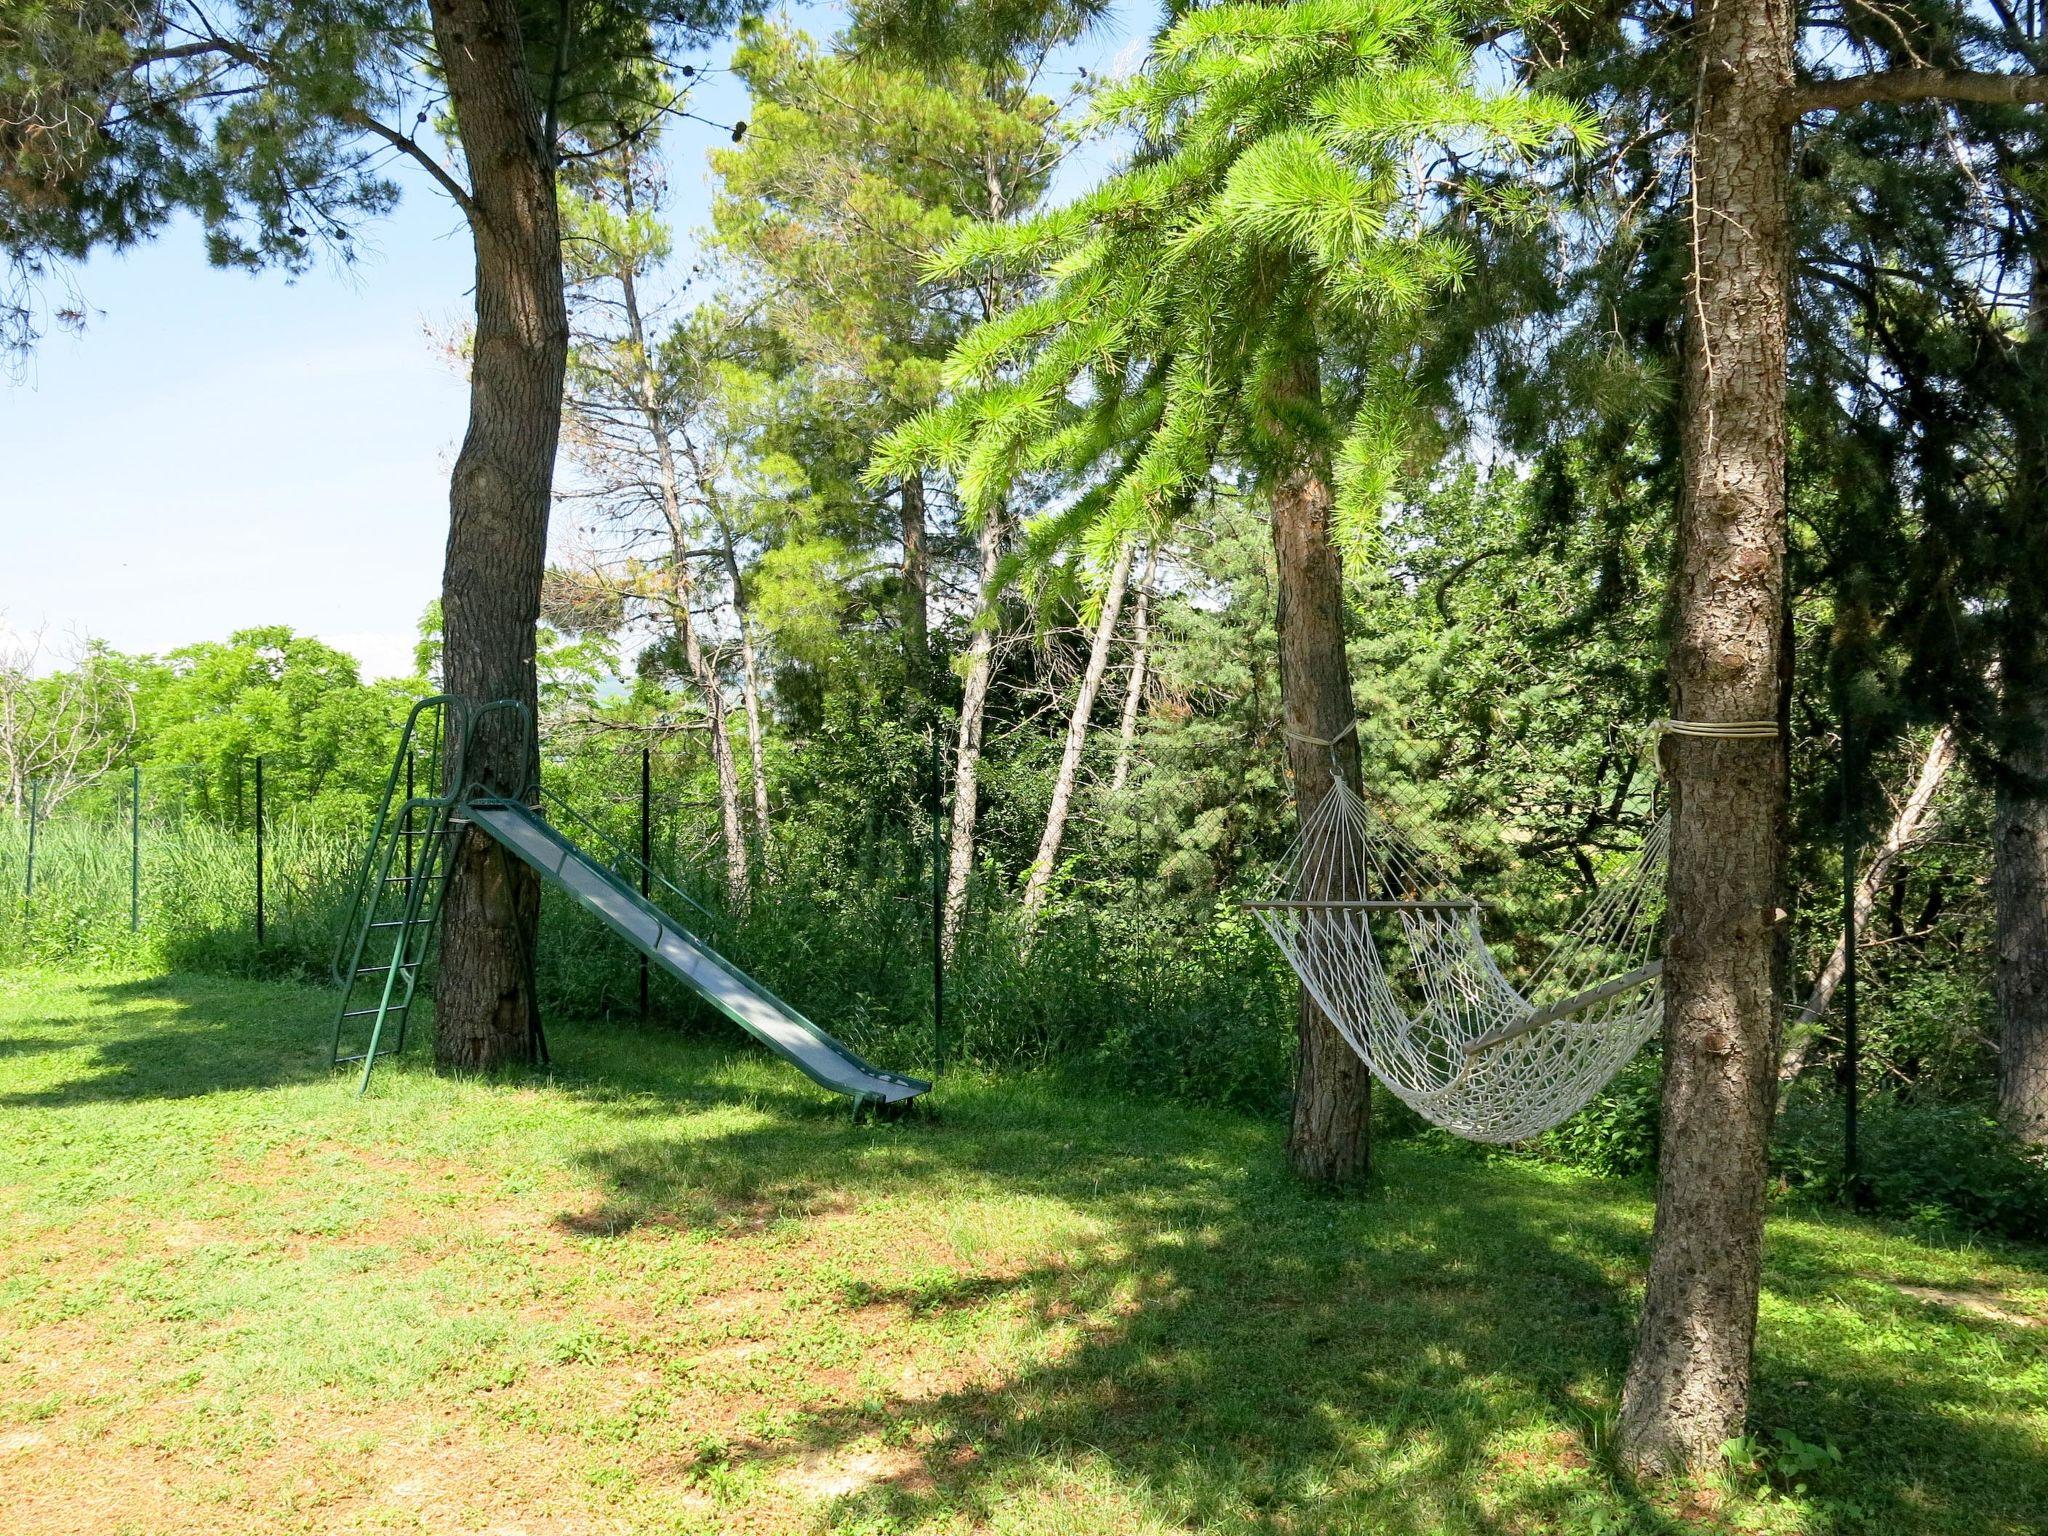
point(1900, 87)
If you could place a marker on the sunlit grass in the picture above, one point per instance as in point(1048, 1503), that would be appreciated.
point(671, 1288)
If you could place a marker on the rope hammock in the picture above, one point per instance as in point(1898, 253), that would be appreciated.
point(1392, 953)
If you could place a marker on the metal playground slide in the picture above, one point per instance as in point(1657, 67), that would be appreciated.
point(682, 955)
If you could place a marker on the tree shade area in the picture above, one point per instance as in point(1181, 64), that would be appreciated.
point(1539, 509)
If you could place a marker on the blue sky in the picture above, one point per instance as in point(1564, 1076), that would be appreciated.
point(219, 449)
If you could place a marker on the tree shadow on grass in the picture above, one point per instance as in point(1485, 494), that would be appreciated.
point(182, 1036)
point(174, 1037)
point(1236, 1353)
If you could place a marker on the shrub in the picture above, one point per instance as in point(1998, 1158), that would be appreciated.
point(1924, 1162)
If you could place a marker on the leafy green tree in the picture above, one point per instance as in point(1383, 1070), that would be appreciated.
point(863, 157)
point(208, 711)
point(1249, 292)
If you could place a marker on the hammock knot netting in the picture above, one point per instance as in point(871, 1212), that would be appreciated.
point(1393, 954)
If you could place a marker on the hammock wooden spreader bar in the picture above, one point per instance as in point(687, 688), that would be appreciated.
point(1578, 1002)
point(1308, 905)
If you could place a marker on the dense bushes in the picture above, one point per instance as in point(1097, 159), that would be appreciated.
point(1924, 1162)
point(1921, 1160)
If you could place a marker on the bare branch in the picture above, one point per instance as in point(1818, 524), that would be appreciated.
point(1905, 86)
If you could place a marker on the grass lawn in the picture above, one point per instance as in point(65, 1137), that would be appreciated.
point(670, 1288)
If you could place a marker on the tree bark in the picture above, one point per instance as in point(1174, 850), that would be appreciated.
point(1687, 1390)
point(750, 697)
point(967, 751)
point(499, 499)
point(1329, 1141)
point(1909, 825)
point(2019, 862)
point(1040, 879)
point(917, 645)
point(2019, 885)
point(1134, 692)
point(732, 832)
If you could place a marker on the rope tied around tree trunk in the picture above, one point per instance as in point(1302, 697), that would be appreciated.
point(1719, 730)
point(1328, 743)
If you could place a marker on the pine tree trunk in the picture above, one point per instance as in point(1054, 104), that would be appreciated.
point(2019, 885)
point(732, 832)
point(2019, 867)
point(1134, 692)
point(967, 752)
point(917, 645)
point(1040, 879)
point(1687, 1390)
point(750, 697)
point(1330, 1139)
point(499, 500)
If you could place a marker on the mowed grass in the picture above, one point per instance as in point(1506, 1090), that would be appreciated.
point(669, 1287)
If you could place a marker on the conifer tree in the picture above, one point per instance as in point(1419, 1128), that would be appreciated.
point(863, 158)
point(270, 120)
point(1249, 293)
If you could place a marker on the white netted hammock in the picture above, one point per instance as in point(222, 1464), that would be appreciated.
point(1393, 954)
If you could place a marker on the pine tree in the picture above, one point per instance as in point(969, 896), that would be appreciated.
point(1248, 293)
point(863, 158)
point(268, 119)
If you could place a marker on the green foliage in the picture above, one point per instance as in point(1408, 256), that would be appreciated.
point(1925, 1162)
point(1616, 1134)
point(208, 711)
point(1250, 288)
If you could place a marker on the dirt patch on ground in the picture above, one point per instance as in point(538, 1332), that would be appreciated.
point(1990, 1305)
point(833, 1474)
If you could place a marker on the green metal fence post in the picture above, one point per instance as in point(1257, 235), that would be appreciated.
point(259, 851)
point(28, 888)
point(135, 847)
point(646, 850)
point(938, 911)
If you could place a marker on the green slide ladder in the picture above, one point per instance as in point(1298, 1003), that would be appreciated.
point(396, 899)
point(429, 803)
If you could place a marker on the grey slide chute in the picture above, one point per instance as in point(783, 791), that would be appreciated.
point(689, 959)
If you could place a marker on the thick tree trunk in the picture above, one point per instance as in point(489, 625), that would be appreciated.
point(1330, 1139)
point(917, 645)
point(1687, 1390)
point(1911, 822)
point(2019, 868)
point(1134, 692)
point(967, 750)
point(499, 500)
point(2019, 885)
point(1040, 879)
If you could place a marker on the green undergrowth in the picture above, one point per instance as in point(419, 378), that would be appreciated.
point(668, 1287)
